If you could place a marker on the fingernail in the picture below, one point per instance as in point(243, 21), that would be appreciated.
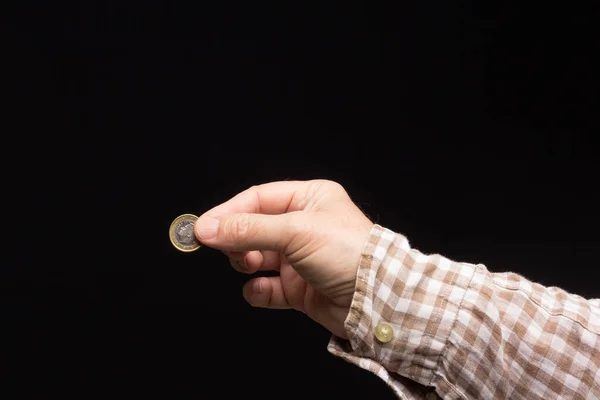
point(243, 264)
point(259, 285)
point(207, 227)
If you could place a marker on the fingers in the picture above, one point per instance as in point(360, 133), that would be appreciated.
point(236, 260)
point(277, 197)
point(250, 262)
point(259, 218)
point(271, 261)
point(245, 232)
point(266, 293)
point(270, 198)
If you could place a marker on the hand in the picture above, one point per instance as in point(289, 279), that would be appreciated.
point(309, 231)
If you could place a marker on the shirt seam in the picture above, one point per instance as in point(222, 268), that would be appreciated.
point(553, 314)
point(444, 352)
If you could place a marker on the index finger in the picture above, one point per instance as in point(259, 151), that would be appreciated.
point(269, 198)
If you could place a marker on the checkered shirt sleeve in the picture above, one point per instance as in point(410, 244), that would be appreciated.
point(462, 332)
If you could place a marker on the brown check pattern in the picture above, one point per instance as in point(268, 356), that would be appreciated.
point(462, 332)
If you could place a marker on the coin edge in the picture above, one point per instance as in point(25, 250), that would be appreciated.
point(183, 249)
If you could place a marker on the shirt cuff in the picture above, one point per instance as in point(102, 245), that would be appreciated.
point(418, 296)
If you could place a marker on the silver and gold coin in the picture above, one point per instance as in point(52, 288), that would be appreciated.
point(182, 235)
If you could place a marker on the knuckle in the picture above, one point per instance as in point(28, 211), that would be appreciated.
point(329, 186)
point(254, 188)
point(241, 226)
point(323, 192)
point(337, 187)
point(238, 227)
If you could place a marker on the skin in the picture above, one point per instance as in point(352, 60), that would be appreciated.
point(309, 231)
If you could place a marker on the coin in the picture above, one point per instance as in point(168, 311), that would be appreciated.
point(182, 235)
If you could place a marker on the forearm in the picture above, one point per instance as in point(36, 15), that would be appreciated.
point(468, 332)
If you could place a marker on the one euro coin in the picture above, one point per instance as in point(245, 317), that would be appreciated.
point(182, 235)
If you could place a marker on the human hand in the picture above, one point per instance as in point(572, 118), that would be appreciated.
point(309, 231)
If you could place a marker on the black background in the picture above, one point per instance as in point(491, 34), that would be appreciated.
point(464, 125)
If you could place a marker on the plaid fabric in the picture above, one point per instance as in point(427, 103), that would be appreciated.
point(462, 332)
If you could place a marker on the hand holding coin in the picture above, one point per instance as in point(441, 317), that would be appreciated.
point(310, 232)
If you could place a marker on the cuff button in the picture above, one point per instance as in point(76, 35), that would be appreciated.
point(384, 332)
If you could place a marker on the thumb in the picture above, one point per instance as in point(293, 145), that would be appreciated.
point(245, 231)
